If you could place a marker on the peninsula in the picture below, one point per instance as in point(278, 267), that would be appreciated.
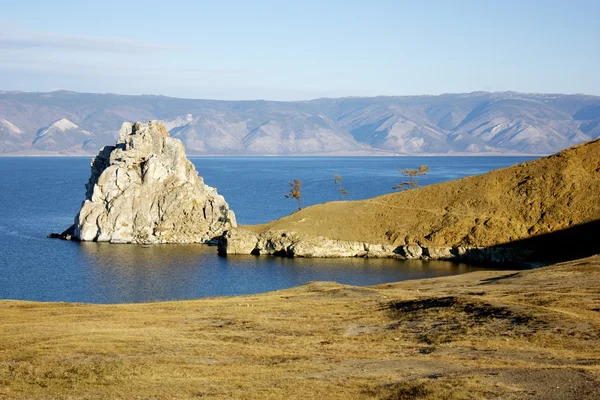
point(541, 210)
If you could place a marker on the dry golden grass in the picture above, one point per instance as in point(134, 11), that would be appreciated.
point(502, 206)
point(488, 334)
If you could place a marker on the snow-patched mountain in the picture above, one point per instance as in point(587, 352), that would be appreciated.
point(479, 122)
point(212, 134)
point(10, 128)
point(177, 122)
point(263, 131)
point(472, 122)
point(530, 125)
point(300, 135)
point(10, 137)
point(62, 135)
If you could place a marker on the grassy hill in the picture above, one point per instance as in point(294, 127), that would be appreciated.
point(556, 197)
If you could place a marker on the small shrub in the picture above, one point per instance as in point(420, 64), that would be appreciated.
point(294, 192)
point(338, 181)
point(412, 175)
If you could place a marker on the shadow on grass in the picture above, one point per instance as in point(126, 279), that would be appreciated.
point(568, 244)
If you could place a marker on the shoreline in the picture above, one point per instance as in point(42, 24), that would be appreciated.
point(480, 267)
point(483, 334)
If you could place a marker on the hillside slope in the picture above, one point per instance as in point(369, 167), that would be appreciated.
point(479, 122)
point(534, 198)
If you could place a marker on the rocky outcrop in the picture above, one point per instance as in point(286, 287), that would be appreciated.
point(145, 190)
point(291, 244)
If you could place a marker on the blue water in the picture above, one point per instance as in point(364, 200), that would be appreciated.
point(41, 195)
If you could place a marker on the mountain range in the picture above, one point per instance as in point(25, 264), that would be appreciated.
point(71, 123)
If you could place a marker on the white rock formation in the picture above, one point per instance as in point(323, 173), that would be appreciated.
point(145, 190)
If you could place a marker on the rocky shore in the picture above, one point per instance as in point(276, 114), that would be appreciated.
point(290, 244)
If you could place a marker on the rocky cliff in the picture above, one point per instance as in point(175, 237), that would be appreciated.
point(145, 190)
point(550, 206)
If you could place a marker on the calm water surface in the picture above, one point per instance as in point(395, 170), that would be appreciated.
point(41, 195)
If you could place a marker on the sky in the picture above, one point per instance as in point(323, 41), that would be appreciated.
point(298, 50)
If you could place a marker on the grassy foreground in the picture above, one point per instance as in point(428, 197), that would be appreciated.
point(507, 335)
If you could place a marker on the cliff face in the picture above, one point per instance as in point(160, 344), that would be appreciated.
point(145, 190)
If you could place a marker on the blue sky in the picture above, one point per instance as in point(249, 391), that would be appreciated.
point(293, 50)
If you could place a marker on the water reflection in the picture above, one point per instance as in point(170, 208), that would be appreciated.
point(133, 273)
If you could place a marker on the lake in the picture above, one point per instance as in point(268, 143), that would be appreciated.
point(39, 195)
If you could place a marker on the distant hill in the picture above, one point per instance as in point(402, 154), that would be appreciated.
point(480, 122)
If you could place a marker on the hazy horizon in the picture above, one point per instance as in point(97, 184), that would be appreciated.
point(304, 100)
point(301, 50)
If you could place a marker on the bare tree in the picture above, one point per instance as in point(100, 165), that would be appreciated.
point(412, 175)
point(294, 192)
point(338, 181)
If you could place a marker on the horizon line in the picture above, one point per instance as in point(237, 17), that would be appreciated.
point(66, 91)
